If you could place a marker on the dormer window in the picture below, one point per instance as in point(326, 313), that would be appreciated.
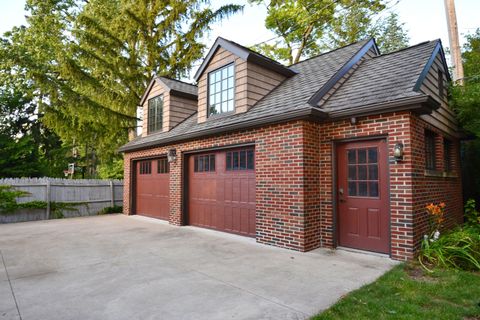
point(155, 114)
point(221, 95)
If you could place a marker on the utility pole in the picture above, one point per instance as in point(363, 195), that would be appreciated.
point(454, 42)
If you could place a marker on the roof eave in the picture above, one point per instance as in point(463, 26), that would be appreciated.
point(183, 94)
point(313, 114)
point(420, 105)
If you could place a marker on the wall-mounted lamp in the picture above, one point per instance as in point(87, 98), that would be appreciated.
point(172, 155)
point(398, 151)
point(353, 120)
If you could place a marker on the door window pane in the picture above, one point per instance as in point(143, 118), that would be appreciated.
point(352, 188)
point(373, 172)
point(352, 172)
point(373, 189)
point(372, 155)
point(362, 189)
point(362, 172)
point(362, 156)
point(352, 156)
point(362, 168)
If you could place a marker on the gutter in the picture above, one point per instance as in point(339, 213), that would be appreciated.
point(420, 105)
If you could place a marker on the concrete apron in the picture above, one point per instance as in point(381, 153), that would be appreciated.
point(119, 267)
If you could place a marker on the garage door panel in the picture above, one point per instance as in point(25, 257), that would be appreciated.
point(228, 195)
point(152, 189)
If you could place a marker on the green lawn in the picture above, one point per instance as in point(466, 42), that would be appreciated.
point(407, 293)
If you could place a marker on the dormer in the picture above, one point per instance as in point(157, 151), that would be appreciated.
point(166, 103)
point(233, 78)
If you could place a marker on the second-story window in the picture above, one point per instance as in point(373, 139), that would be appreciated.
point(221, 93)
point(155, 114)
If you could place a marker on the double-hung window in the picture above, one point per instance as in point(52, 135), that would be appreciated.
point(155, 114)
point(221, 94)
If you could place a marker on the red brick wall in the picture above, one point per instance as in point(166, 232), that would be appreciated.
point(396, 127)
point(281, 188)
point(294, 180)
point(433, 186)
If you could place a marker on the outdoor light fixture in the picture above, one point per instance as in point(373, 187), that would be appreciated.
point(398, 151)
point(172, 155)
point(353, 120)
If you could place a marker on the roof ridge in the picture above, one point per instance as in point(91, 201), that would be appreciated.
point(256, 52)
point(331, 51)
point(173, 79)
point(407, 48)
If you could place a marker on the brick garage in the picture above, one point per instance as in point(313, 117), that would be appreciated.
point(297, 163)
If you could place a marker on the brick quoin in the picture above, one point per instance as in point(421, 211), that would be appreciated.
point(294, 170)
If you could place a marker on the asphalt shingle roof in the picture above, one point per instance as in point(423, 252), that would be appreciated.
point(377, 80)
point(291, 94)
point(180, 86)
point(383, 79)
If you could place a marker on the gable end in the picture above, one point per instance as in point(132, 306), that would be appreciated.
point(438, 49)
point(244, 54)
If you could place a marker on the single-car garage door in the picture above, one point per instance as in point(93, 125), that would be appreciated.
point(221, 191)
point(152, 188)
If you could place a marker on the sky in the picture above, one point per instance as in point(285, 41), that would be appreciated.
point(424, 20)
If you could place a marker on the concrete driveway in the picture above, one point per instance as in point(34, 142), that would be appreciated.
point(119, 267)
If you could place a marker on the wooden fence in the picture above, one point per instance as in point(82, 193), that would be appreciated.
point(88, 197)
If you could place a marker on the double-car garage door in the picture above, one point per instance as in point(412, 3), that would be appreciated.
point(220, 190)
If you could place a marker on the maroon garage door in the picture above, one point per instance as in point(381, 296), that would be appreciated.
point(221, 191)
point(152, 188)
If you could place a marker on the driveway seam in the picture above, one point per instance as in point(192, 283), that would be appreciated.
point(11, 287)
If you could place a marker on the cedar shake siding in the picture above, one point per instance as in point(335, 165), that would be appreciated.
point(252, 82)
point(179, 102)
point(301, 122)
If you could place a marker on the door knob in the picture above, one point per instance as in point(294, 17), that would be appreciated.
point(340, 191)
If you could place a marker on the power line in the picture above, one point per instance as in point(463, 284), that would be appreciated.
point(331, 19)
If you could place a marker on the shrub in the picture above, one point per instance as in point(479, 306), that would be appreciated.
point(458, 248)
point(472, 216)
point(8, 198)
point(114, 209)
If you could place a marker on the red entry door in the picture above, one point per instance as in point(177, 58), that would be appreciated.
point(363, 217)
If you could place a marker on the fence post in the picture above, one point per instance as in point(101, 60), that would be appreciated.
point(47, 199)
point(112, 194)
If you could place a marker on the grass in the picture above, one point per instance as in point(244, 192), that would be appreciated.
point(406, 292)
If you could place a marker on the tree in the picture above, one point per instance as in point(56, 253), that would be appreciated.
point(465, 100)
point(306, 28)
point(28, 148)
point(303, 26)
point(390, 34)
point(90, 61)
